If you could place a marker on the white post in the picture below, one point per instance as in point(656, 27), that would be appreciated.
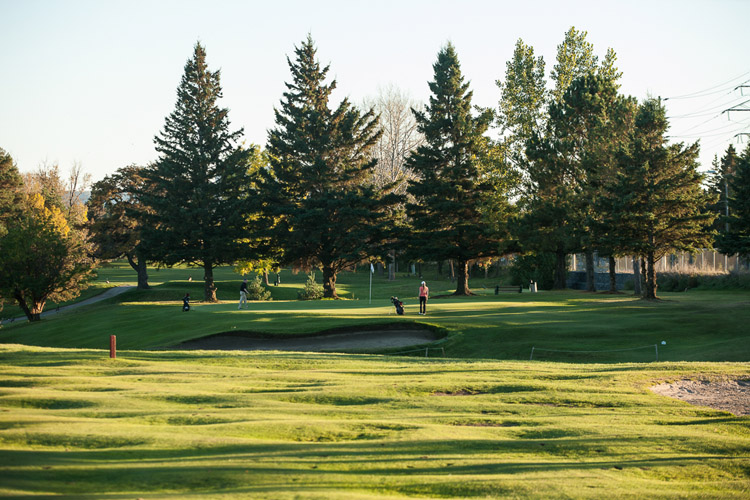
point(372, 271)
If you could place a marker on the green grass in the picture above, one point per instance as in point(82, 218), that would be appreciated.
point(482, 422)
point(696, 326)
point(76, 424)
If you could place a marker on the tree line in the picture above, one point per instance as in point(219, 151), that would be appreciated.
point(560, 167)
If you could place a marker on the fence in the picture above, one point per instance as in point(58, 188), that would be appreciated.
point(706, 261)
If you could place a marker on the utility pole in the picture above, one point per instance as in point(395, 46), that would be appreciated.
point(736, 108)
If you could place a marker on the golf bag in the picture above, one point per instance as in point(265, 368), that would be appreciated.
point(398, 305)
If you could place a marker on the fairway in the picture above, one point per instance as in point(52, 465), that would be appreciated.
point(475, 419)
point(273, 425)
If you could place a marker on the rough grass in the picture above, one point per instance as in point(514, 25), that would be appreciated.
point(277, 425)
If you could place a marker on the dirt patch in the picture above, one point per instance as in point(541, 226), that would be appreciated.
point(728, 395)
point(333, 342)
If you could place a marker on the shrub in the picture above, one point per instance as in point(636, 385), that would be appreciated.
point(679, 282)
point(257, 291)
point(539, 268)
point(312, 290)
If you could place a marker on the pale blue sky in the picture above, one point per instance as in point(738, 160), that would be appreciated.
point(92, 81)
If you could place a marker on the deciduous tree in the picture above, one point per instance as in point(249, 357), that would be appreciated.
point(43, 258)
point(115, 226)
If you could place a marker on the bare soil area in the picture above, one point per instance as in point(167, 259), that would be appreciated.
point(334, 342)
point(728, 395)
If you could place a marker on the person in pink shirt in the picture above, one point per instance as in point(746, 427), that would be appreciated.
point(424, 292)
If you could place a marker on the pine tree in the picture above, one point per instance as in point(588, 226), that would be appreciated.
point(196, 201)
point(460, 211)
point(736, 237)
point(551, 199)
point(590, 123)
point(660, 204)
point(317, 200)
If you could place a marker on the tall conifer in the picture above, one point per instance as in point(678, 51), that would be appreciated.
point(735, 235)
point(195, 201)
point(659, 204)
point(318, 204)
point(460, 211)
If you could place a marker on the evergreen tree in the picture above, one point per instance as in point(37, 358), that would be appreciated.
point(523, 101)
point(196, 201)
point(660, 204)
point(460, 210)
point(318, 203)
point(116, 230)
point(590, 123)
point(736, 238)
point(551, 191)
point(11, 190)
point(720, 185)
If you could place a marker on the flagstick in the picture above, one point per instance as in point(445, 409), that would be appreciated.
point(372, 270)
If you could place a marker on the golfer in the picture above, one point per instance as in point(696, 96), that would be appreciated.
point(243, 294)
point(424, 293)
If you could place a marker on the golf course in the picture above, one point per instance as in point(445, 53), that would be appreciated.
point(468, 415)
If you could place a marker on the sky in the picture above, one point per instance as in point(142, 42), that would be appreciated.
point(91, 82)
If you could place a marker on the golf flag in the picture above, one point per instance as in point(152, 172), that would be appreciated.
point(372, 268)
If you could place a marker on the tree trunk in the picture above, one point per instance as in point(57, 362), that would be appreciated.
point(31, 315)
point(560, 271)
point(612, 275)
point(650, 292)
point(462, 279)
point(452, 269)
point(265, 277)
point(209, 288)
point(138, 263)
point(590, 283)
point(637, 289)
point(392, 266)
point(329, 283)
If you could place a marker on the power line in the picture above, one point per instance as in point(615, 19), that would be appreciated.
point(708, 109)
point(705, 92)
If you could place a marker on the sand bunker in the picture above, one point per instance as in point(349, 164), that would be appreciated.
point(728, 395)
point(332, 342)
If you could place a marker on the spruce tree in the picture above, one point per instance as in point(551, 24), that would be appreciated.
point(318, 204)
point(195, 205)
point(720, 185)
point(736, 237)
point(660, 205)
point(11, 189)
point(460, 211)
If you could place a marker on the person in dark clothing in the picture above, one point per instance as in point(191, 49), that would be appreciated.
point(186, 302)
point(243, 294)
